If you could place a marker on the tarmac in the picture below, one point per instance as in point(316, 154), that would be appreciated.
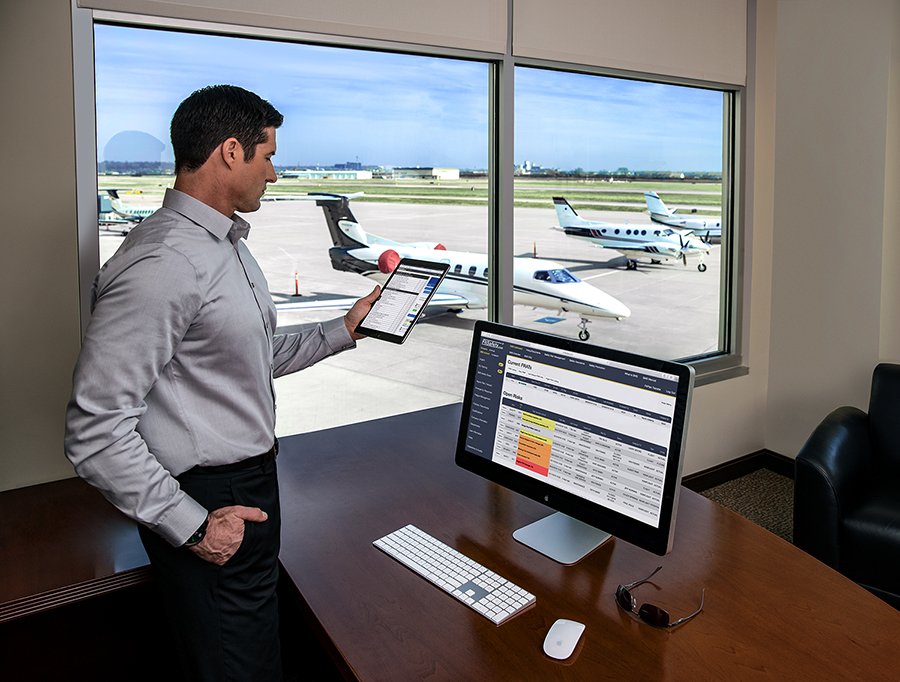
point(674, 308)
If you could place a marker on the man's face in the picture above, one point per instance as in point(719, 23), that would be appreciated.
point(255, 174)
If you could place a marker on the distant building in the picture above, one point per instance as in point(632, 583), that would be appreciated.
point(327, 174)
point(529, 168)
point(426, 173)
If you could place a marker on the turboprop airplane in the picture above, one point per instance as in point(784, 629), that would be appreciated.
point(113, 214)
point(707, 228)
point(536, 282)
point(632, 241)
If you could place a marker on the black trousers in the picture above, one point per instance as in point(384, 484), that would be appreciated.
point(224, 619)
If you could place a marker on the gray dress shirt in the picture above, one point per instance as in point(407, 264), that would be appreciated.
point(177, 365)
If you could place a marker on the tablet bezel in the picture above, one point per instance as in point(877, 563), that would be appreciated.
point(396, 338)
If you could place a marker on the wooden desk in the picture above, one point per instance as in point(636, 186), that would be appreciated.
point(771, 611)
point(60, 543)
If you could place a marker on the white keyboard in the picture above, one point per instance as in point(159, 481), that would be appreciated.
point(490, 594)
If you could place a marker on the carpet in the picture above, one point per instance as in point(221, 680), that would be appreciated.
point(764, 497)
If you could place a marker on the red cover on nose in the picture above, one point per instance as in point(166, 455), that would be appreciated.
point(388, 261)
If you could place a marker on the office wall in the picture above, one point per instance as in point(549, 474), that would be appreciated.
point(469, 24)
point(890, 282)
point(703, 39)
point(835, 250)
point(39, 333)
point(728, 418)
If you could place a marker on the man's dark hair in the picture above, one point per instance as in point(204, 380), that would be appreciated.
point(211, 115)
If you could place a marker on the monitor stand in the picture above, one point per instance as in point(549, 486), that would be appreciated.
point(561, 538)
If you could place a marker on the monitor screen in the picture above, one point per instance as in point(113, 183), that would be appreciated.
point(594, 433)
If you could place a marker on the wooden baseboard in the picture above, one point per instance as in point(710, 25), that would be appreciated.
point(728, 471)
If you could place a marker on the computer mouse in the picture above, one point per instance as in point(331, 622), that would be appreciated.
point(562, 637)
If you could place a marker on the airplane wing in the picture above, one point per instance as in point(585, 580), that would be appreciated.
point(107, 219)
point(316, 304)
point(448, 300)
point(439, 300)
point(312, 196)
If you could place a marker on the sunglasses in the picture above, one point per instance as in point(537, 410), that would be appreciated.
point(649, 613)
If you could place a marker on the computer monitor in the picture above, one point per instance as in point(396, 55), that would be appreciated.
point(594, 433)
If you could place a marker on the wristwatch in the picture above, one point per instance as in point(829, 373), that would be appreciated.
point(198, 534)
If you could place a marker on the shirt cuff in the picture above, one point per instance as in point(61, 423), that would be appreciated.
point(182, 521)
point(336, 335)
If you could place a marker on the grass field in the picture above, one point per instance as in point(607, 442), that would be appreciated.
point(584, 194)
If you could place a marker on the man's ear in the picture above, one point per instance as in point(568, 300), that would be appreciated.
point(232, 152)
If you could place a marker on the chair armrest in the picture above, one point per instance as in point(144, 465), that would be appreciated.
point(831, 470)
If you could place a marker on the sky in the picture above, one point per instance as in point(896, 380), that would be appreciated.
point(386, 109)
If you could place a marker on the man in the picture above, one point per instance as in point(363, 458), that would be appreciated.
point(172, 413)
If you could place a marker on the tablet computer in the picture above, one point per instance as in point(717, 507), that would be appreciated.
point(402, 300)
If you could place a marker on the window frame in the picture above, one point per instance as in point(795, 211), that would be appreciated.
point(727, 363)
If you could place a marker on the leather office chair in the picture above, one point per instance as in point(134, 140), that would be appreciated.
point(847, 490)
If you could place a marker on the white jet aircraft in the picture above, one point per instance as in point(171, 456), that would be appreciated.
point(632, 241)
point(708, 228)
point(536, 282)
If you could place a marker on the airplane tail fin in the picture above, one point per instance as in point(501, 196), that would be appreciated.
point(566, 214)
point(656, 206)
point(345, 229)
point(104, 203)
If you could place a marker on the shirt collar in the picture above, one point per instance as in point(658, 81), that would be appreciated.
point(218, 225)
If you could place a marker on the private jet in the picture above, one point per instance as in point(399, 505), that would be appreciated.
point(632, 241)
point(709, 229)
point(536, 282)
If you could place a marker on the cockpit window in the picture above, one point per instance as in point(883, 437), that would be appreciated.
point(557, 276)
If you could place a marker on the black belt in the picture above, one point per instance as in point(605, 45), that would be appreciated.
point(248, 463)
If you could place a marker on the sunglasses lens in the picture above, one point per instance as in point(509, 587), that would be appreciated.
point(653, 615)
point(624, 598)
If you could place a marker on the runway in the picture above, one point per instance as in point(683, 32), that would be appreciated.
point(674, 308)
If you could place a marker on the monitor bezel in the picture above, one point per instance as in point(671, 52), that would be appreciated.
point(657, 540)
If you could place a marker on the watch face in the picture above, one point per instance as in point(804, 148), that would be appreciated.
point(198, 534)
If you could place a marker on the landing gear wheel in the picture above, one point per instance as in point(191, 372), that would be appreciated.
point(702, 267)
point(583, 333)
point(655, 262)
point(632, 265)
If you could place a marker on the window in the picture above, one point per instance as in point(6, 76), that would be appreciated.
point(558, 276)
point(600, 160)
point(414, 134)
point(407, 131)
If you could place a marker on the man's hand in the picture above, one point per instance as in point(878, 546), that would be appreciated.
point(225, 532)
point(359, 310)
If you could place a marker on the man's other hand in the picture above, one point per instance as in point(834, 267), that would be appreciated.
point(225, 532)
point(359, 310)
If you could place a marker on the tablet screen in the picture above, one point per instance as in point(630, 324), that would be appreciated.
point(403, 298)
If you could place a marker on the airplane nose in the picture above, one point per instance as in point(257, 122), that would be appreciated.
point(609, 306)
point(620, 310)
